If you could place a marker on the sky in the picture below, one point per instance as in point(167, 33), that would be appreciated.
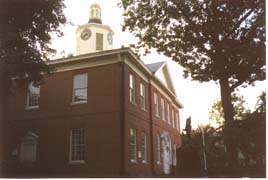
point(196, 97)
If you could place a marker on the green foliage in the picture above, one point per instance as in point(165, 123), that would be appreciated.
point(240, 112)
point(210, 39)
point(26, 28)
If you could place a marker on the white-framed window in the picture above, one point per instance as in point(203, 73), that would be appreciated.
point(158, 149)
point(80, 88)
point(173, 119)
point(168, 114)
point(177, 121)
point(163, 109)
point(174, 155)
point(77, 145)
point(156, 110)
point(144, 147)
point(133, 145)
point(132, 89)
point(33, 96)
point(28, 148)
point(99, 41)
point(142, 95)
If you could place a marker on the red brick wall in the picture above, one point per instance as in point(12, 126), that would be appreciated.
point(56, 116)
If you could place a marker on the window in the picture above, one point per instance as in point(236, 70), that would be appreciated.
point(99, 41)
point(80, 88)
point(142, 94)
point(156, 105)
point(28, 148)
point(132, 89)
point(168, 114)
point(177, 121)
point(77, 145)
point(173, 120)
point(143, 148)
point(163, 109)
point(158, 149)
point(174, 155)
point(133, 146)
point(33, 96)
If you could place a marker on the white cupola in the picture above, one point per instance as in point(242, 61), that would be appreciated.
point(93, 36)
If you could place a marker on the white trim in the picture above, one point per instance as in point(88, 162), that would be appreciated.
point(136, 70)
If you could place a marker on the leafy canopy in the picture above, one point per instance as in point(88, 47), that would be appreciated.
point(210, 39)
point(26, 27)
point(240, 111)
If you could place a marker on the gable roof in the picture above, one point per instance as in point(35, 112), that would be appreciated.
point(155, 66)
point(161, 71)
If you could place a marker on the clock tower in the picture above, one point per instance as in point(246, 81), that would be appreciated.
point(93, 36)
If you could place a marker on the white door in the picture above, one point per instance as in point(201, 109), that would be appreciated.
point(166, 156)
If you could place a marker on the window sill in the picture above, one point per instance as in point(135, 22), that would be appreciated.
point(144, 109)
point(31, 107)
point(78, 102)
point(133, 161)
point(158, 116)
point(144, 162)
point(77, 162)
point(158, 163)
point(133, 103)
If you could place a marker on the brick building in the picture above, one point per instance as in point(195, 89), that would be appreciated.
point(103, 113)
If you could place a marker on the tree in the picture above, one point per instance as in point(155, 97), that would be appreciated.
point(249, 131)
point(223, 41)
point(26, 28)
point(216, 111)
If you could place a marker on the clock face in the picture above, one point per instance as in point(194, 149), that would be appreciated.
point(85, 34)
point(110, 38)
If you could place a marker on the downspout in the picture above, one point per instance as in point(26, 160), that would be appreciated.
point(122, 111)
point(151, 127)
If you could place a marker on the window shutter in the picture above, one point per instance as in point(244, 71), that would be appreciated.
point(99, 41)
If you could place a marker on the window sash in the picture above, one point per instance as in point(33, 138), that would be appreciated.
point(78, 145)
point(156, 104)
point(168, 114)
point(173, 121)
point(133, 146)
point(132, 89)
point(144, 148)
point(163, 109)
point(80, 83)
point(33, 96)
point(142, 95)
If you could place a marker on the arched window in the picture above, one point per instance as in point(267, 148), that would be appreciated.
point(158, 149)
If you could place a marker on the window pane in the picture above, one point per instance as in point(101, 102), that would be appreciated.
point(77, 145)
point(133, 145)
point(144, 148)
point(80, 88)
point(33, 95)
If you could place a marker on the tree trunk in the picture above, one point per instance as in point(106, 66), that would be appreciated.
point(228, 111)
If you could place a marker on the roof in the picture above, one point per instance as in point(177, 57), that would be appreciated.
point(155, 66)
